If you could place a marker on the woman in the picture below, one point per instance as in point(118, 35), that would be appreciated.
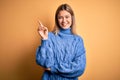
point(62, 52)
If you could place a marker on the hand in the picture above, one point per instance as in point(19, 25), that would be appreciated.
point(43, 31)
point(48, 69)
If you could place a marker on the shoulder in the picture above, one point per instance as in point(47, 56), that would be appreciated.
point(51, 35)
point(79, 42)
point(78, 38)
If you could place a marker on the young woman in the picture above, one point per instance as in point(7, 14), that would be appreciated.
point(62, 52)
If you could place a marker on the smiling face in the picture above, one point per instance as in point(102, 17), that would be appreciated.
point(64, 19)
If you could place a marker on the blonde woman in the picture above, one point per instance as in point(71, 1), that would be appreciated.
point(62, 52)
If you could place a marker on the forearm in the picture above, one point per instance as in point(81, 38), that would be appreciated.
point(44, 55)
point(71, 69)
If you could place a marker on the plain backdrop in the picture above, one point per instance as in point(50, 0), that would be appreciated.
point(97, 21)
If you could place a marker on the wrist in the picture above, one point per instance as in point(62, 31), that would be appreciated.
point(45, 38)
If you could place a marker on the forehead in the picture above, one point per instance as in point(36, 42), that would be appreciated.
point(63, 13)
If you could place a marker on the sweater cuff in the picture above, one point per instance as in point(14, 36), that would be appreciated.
point(44, 42)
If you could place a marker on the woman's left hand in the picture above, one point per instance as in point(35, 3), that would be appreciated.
point(48, 69)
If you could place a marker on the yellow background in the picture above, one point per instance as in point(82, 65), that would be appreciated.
point(98, 22)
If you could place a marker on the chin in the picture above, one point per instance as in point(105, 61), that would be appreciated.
point(65, 27)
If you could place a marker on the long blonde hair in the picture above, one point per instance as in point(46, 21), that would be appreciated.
point(68, 9)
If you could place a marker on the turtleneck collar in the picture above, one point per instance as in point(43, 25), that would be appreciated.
point(66, 31)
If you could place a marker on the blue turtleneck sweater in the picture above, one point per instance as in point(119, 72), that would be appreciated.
point(64, 54)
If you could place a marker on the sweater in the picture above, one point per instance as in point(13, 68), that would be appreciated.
point(64, 54)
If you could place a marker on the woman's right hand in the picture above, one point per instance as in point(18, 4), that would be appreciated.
point(43, 31)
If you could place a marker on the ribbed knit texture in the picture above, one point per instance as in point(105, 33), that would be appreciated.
point(64, 54)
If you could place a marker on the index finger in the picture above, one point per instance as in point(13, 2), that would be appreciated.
point(40, 23)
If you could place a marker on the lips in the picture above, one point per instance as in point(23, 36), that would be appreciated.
point(64, 24)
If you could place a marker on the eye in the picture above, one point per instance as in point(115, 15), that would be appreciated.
point(59, 17)
point(67, 16)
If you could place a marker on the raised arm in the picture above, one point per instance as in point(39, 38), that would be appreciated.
point(44, 53)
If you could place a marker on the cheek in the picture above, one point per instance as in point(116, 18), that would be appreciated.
point(59, 21)
point(70, 21)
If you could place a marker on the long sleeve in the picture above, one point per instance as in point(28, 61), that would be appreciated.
point(44, 54)
point(74, 68)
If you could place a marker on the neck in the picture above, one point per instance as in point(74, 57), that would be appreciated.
point(66, 31)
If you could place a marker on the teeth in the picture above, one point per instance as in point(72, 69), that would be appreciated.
point(64, 24)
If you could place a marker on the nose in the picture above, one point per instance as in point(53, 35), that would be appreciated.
point(64, 19)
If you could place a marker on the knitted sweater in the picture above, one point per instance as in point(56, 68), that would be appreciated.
point(64, 54)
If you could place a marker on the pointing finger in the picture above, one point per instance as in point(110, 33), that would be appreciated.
point(41, 25)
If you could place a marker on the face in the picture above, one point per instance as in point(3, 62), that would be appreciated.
point(64, 19)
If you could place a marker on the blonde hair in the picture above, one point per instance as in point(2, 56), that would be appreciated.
point(67, 8)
